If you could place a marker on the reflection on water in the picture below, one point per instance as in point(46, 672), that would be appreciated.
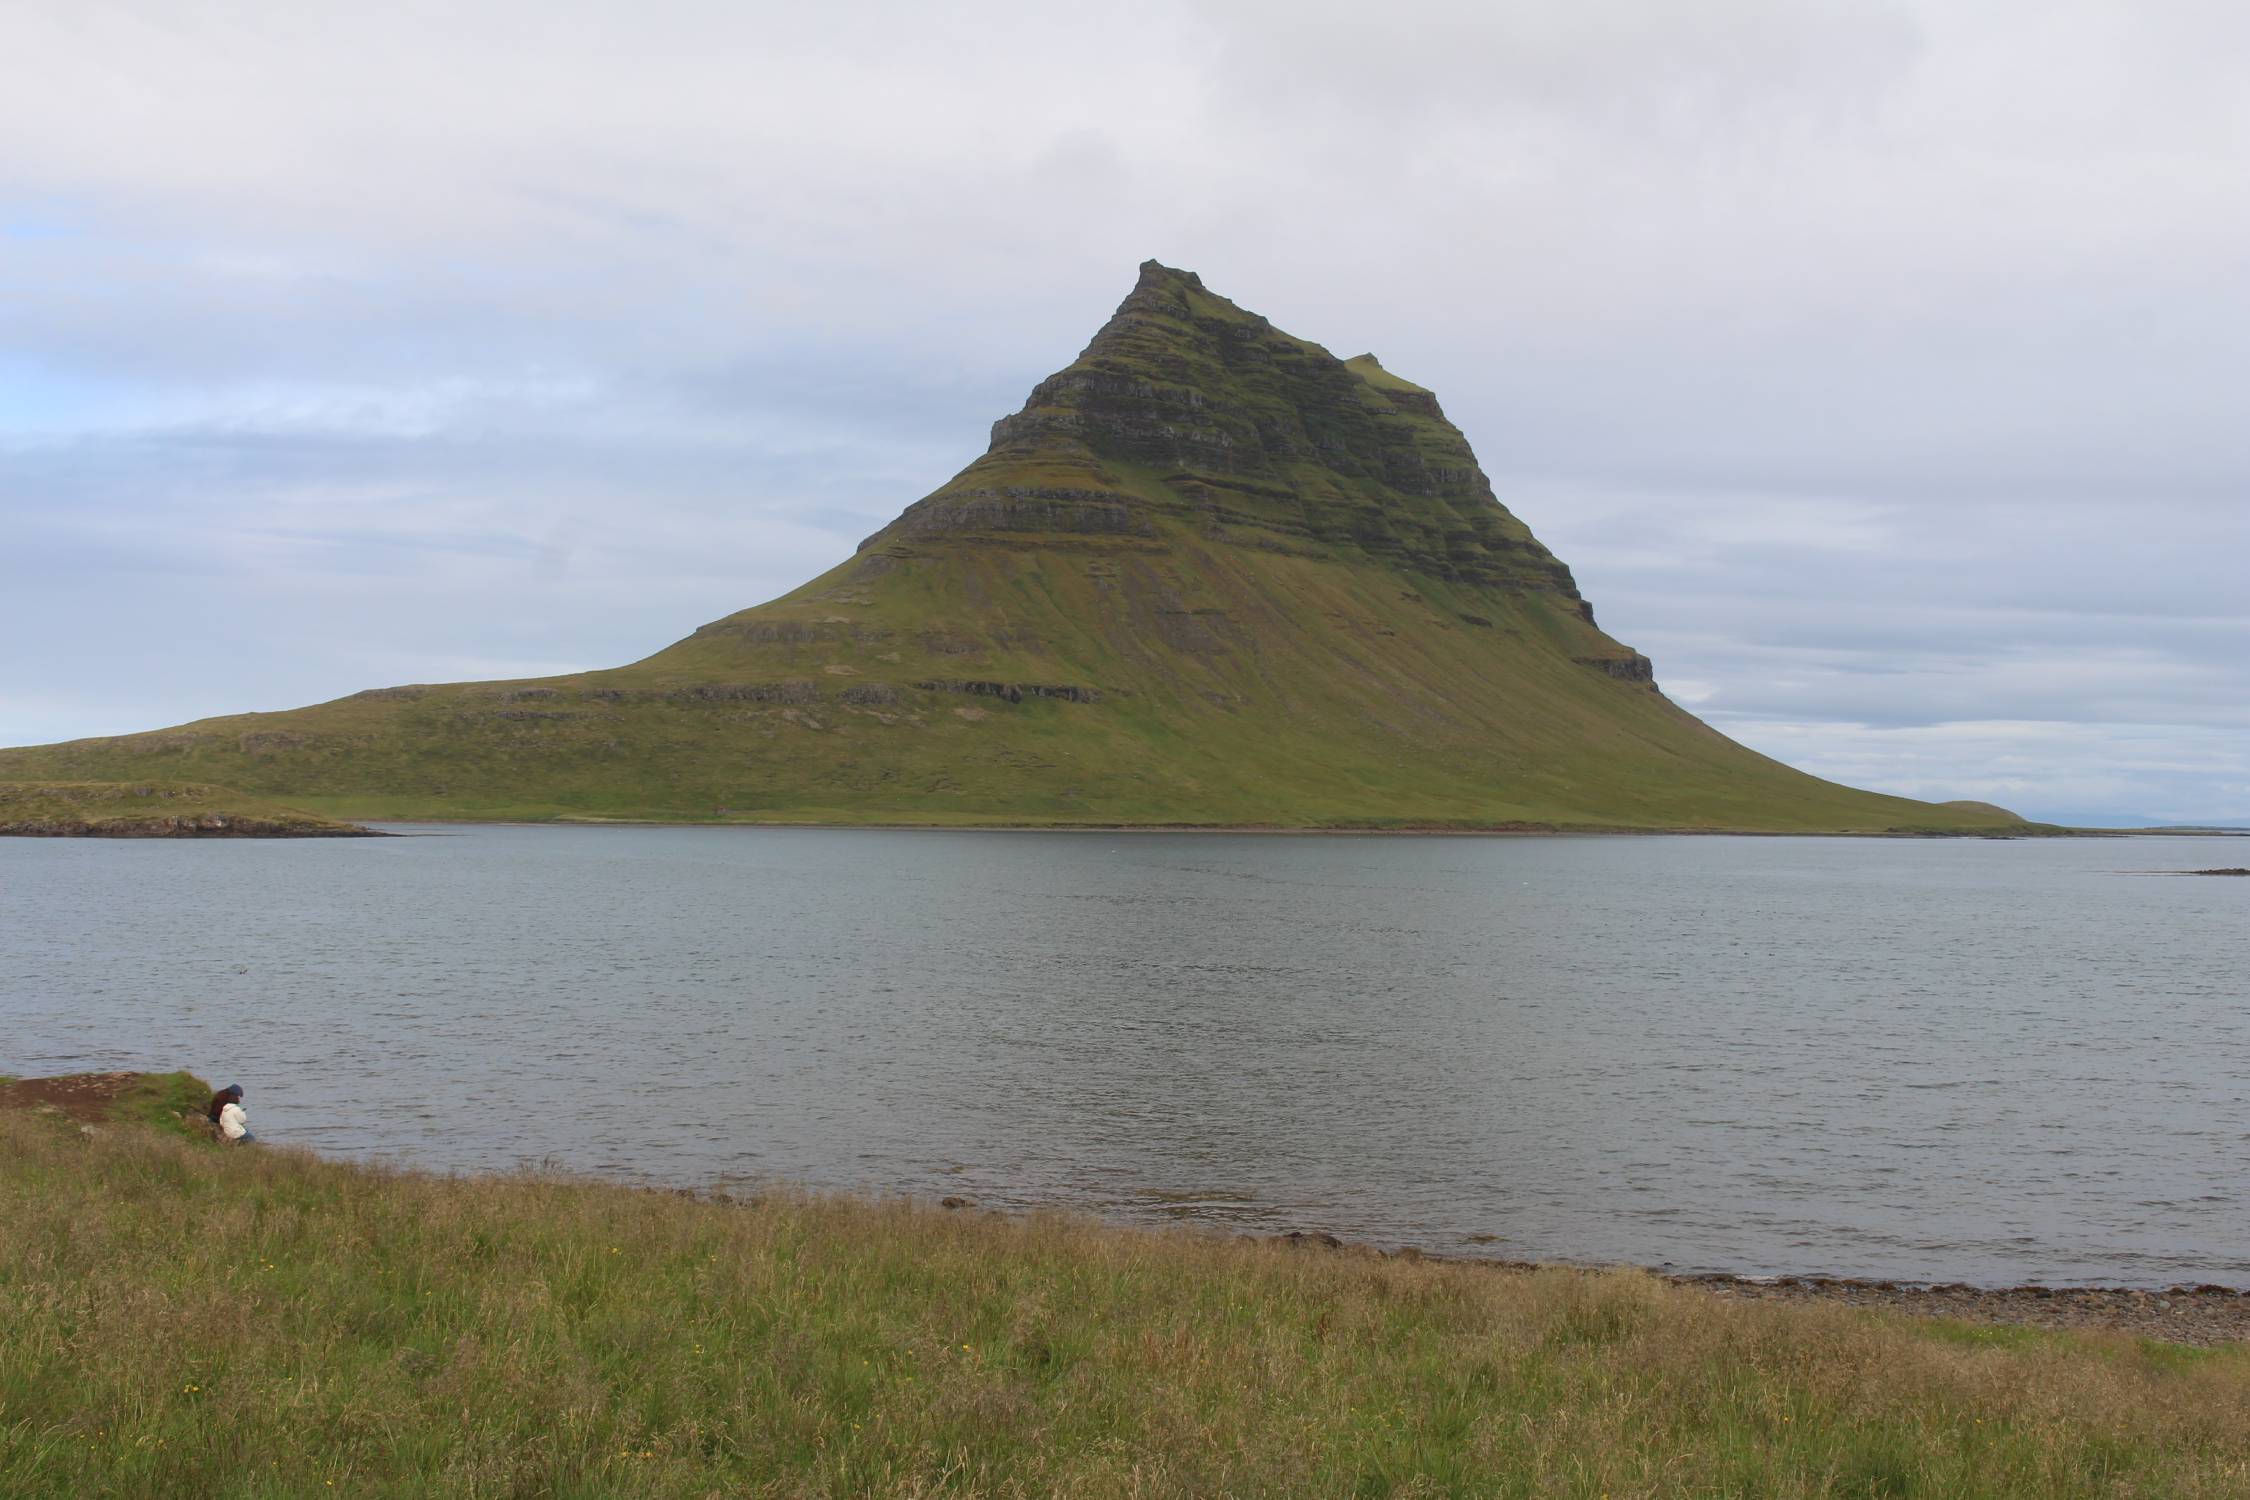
point(1990, 1061)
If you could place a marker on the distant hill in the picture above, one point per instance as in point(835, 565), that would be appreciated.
point(1985, 809)
point(2210, 828)
point(1209, 574)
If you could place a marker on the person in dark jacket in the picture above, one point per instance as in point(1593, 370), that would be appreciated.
point(226, 1113)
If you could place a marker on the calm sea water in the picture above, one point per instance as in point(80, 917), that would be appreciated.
point(1986, 1061)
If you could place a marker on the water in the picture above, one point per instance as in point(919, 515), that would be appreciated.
point(1985, 1061)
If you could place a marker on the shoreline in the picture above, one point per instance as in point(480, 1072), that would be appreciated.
point(2201, 1314)
point(2205, 1312)
point(1497, 830)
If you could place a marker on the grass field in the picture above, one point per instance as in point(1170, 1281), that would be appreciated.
point(178, 1318)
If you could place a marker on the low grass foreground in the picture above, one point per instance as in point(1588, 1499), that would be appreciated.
point(178, 1318)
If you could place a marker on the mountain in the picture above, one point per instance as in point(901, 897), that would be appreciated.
point(1209, 574)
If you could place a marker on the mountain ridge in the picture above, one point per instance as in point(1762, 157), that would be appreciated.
point(1208, 574)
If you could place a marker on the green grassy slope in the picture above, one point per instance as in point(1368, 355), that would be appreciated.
point(163, 809)
point(1209, 574)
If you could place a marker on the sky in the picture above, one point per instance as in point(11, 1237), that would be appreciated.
point(1880, 367)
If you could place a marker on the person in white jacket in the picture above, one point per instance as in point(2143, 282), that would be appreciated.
point(226, 1113)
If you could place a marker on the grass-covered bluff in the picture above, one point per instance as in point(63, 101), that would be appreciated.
point(1208, 575)
point(183, 1318)
point(153, 810)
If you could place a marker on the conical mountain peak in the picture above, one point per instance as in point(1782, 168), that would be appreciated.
point(1189, 407)
point(1153, 270)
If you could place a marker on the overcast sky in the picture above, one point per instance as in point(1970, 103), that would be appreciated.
point(1881, 367)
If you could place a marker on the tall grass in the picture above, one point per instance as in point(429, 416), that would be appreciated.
point(181, 1319)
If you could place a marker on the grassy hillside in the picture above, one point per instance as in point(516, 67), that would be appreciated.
point(185, 1319)
point(112, 809)
point(1209, 574)
point(1347, 703)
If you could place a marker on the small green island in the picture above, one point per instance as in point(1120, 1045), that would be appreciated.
point(188, 1318)
point(156, 810)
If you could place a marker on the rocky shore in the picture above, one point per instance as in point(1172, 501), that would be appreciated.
point(2204, 1314)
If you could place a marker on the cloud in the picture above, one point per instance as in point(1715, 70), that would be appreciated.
point(1875, 363)
point(2114, 774)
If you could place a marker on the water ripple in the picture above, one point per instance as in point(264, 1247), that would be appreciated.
point(1971, 1061)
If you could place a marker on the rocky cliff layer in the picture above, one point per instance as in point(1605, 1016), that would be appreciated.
point(1184, 405)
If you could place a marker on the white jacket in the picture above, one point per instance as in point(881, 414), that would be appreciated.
point(233, 1123)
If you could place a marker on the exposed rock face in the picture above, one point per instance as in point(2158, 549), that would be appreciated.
point(1263, 438)
point(748, 692)
point(1088, 512)
point(1013, 692)
point(1632, 667)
